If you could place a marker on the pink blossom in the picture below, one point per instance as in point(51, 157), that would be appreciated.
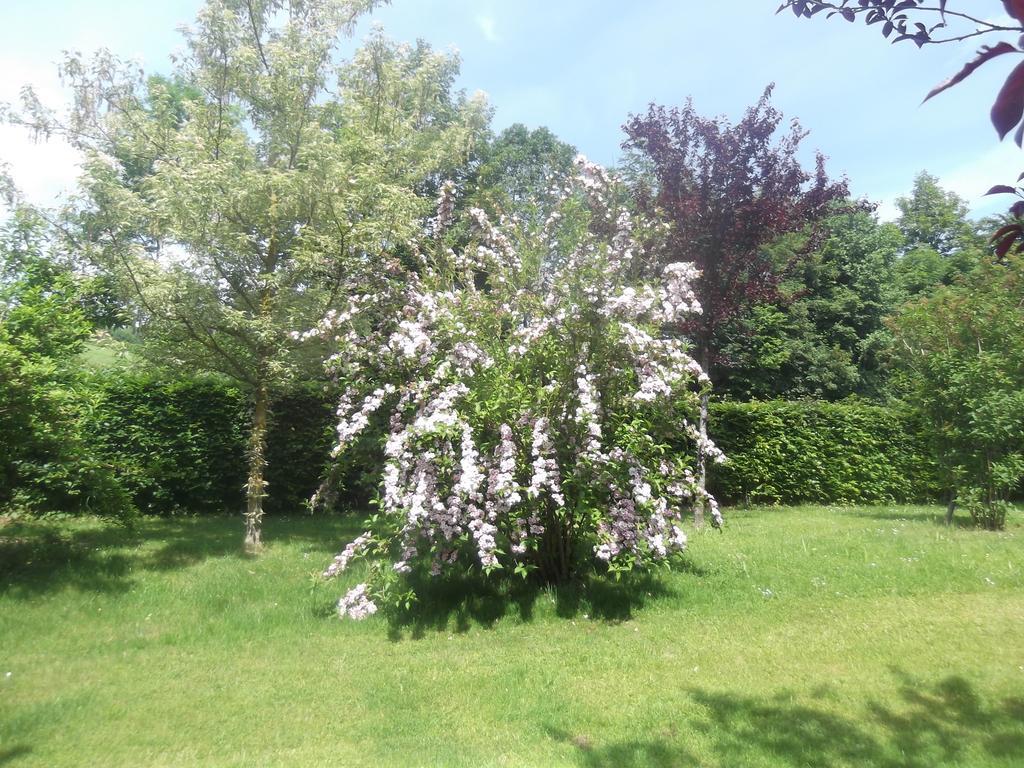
point(356, 604)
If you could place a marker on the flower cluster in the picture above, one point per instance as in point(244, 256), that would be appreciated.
point(545, 467)
point(354, 547)
point(530, 413)
point(356, 603)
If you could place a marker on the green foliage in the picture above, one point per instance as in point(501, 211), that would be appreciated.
point(519, 173)
point(45, 464)
point(935, 218)
point(784, 452)
point(825, 336)
point(299, 447)
point(179, 445)
point(822, 337)
point(940, 242)
point(962, 351)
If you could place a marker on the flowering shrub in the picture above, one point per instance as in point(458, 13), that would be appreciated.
point(531, 397)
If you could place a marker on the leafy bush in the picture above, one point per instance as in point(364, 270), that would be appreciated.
point(782, 452)
point(962, 353)
point(177, 445)
point(533, 390)
point(299, 449)
point(45, 463)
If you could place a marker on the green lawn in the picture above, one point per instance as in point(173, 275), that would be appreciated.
point(800, 637)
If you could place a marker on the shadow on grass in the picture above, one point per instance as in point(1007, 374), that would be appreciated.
point(8, 754)
point(936, 516)
point(945, 723)
point(40, 556)
point(650, 754)
point(36, 558)
point(455, 603)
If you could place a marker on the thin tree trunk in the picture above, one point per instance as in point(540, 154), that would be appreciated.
point(256, 487)
point(950, 507)
point(700, 508)
point(702, 465)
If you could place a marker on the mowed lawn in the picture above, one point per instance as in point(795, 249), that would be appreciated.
point(800, 637)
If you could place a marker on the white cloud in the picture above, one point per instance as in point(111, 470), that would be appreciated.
point(999, 165)
point(489, 27)
point(43, 169)
point(887, 210)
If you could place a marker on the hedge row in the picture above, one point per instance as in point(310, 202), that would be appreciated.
point(787, 452)
point(180, 446)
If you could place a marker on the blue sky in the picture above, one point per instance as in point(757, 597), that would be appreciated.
point(581, 67)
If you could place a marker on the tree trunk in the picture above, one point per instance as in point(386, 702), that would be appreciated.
point(951, 507)
point(702, 465)
point(256, 487)
point(700, 508)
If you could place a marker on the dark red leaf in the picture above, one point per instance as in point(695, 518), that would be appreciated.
point(1004, 245)
point(1005, 237)
point(985, 53)
point(1021, 177)
point(1001, 189)
point(1015, 8)
point(1009, 106)
point(1017, 209)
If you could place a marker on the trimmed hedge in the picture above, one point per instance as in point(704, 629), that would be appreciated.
point(180, 446)
point(788, 452)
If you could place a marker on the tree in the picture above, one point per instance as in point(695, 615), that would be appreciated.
point(940, 241)
point(247, 194)
point(823, 335)
point(726, 191)
point(962, 350)
point(531, 419)
point(520, 173)
point(935, 218)
point(937, 23)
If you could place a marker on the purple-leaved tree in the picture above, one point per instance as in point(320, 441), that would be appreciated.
point(726, 191)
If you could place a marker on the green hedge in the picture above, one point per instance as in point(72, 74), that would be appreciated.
point(788, 452)
point(180, 446)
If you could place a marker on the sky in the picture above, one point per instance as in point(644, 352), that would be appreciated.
point(581, 67)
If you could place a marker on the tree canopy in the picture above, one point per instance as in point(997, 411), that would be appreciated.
point(242, 197)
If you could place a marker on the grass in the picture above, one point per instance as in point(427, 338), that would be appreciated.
point(801, 637)
point(98, 355)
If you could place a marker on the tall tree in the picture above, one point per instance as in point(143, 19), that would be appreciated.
point(934, 217)
point(823, 335)
point(727, 191)
point(962, 350)
point(941, 242)
point(520, 173)
point(247, 195)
